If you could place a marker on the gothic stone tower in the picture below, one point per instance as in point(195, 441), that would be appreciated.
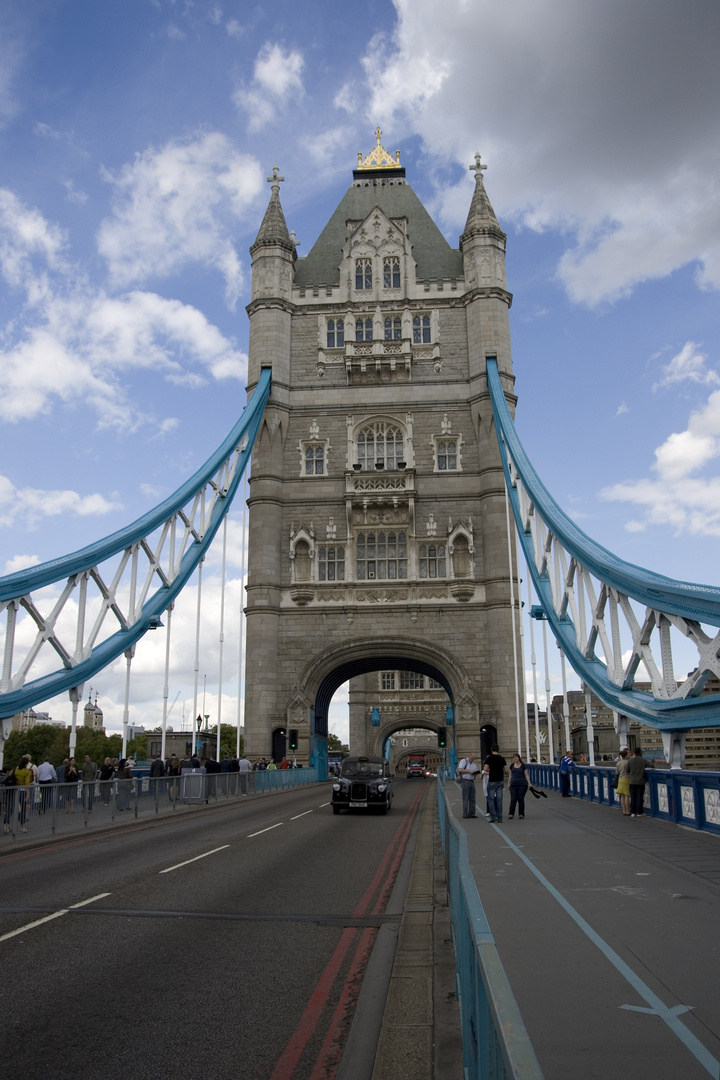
point(377, 514)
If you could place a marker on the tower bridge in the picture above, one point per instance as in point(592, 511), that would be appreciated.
point(385, 472)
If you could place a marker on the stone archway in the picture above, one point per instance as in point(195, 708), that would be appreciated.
point(324, 673)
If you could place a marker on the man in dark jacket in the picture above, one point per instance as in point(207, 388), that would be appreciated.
point(636, 769)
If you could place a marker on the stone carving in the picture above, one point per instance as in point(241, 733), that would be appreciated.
point(381, 596)
point(432, 594)
point(331, 529)
point(381, 515)
point(431, 526)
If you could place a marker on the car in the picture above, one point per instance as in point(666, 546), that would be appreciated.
point(364, 783)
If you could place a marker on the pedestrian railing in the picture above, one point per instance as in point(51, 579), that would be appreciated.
point(47, 809)
point(683, 797)
point(496, 1045)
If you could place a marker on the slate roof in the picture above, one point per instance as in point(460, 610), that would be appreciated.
point(432, 253)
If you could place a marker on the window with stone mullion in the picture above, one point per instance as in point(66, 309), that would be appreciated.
point(363, 273)
point(391, 272)
point(331, 563)
point(432, 561)
point(381, 556)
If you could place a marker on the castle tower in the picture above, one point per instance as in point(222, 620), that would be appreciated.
point(377, 517)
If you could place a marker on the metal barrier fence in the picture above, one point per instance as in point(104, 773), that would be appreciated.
point(48, 809)
point(496, 1045)
point(685, 798)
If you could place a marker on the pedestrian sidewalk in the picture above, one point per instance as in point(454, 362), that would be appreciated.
point(607, 929)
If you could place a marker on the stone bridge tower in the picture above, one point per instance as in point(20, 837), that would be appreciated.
point(378, 533)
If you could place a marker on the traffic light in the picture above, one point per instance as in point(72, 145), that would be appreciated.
point(442, 737)
point(293, 739)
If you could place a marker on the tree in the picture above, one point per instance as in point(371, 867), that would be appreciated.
point(228, 740)
point(335, 746)
point(36, 741)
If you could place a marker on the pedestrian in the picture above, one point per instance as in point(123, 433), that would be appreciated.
point(107, 773)
point(496, 768)
point(195, 760)
point(71, 777)
point(567, 764)
point(89, 773)
point(46, 777)
point(284, 764)
point(124, 785)
point(244, 768)
point(23, 775)
point(271, 765)
point(467, 770)
point(9, 784)
point(518, 786)
point(173, 770)
point(637, 767)
point(33, 769)
point(623, 781)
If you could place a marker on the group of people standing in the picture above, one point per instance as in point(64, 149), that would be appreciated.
point(494, 771)
point(59, 786)
point(630, 782)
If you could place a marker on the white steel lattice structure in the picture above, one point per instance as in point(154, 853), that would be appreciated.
point(69, 618)
point(610, 617)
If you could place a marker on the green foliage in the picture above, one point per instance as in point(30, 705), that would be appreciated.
point(137, 747)
point(37, 742)
point(228, 739)
point(335, 746)
point(55, 742)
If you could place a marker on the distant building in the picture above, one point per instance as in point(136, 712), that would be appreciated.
point(25, 720)
point(93, 716)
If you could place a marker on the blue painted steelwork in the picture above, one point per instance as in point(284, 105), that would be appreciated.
point(495, 1041)
point(15, 588)
point(680, 600)
point(683, 797)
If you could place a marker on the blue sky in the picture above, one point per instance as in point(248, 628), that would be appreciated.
point(135, 139)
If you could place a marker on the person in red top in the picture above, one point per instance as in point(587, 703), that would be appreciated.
point(284, 764)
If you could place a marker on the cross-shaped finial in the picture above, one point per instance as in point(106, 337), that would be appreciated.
point(478, 168)
point(275, 180)
point(378, 133)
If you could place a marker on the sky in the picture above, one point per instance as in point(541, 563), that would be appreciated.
point(135, 142)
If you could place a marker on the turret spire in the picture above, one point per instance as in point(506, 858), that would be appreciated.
point(273, 229)
point(481, 215)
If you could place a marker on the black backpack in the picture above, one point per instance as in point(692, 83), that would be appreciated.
point(10, 780)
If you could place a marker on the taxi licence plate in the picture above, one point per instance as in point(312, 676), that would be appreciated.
point(358, 804)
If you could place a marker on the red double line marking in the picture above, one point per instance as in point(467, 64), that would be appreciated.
point(329, 1056)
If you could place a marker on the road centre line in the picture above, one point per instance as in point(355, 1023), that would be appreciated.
point(188, 861)
point(302, 815)
point(668, 1014)
point(324, 804)
point(269, 828)
point(49, 918)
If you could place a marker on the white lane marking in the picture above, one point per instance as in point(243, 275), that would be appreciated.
point(188, 861)
point(49, 918)
point(324, 804)
point(250, 835)
point(301, 815)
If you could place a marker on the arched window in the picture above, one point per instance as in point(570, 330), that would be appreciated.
point(335, 333)
point(363, 273)
point(432, 560)
point(393, 328)
point(363, 329)
point(421, 329)
point(314, 460)
point(446, 454)
point(302, 561)
point(461, 557)
point(391, 272)
point(379, 444)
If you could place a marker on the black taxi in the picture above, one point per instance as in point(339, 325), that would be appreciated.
point(364, 783)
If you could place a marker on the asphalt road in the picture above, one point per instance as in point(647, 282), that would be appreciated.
point(227, 943)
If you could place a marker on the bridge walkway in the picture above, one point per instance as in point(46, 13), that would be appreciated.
point(609, 931)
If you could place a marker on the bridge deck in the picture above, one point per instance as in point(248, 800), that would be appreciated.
point(634, 921)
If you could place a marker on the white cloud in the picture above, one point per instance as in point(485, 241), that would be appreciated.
point(75, 342)
point(598, 118)
point(31, 504)
point(20, 562)
point(676, 497)
point(622, 409)
point(234, 29)
point(277, 76)
point(687, 366)
point(176, 206)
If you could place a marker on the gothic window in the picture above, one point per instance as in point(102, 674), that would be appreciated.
point(381, 555)
point(461, 557)
point(387, 680)
point(393, 328)
point(335, 333)
point(363, 329)
point(434, 685)
point(302, 561)
point(421, 329)
point(363, 273)
point(447, 454)
point(314, 460)
point(379, 444)
point(432, 560)
point(331, 563)
point(391, 273)
point(411, 680)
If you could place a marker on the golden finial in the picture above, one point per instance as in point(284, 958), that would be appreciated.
point(378, 158)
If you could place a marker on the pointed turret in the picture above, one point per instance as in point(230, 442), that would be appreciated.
point(273, 229)
point(481, 216)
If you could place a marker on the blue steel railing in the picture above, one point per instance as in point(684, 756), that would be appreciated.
point(683, 797)
point(495, 1042)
